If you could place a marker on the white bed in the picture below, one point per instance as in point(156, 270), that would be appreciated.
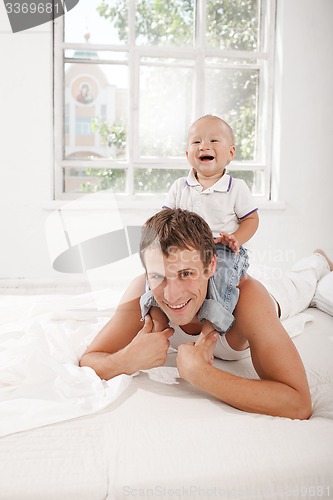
point(67, 435)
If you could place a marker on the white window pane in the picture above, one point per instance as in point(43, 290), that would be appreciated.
point(164, 23)
point(90, 180)
point(166, 107)
point(100, 55)
point(157, 180)
point(232, 95)
point(231, 61)
point(255, 179)
point(96, 109)
point(101, 21)
point(233, 24)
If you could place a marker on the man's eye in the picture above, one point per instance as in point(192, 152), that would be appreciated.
point(185, 274)
point(154, 280)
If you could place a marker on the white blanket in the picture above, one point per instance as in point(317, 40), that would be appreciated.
point(40, 380)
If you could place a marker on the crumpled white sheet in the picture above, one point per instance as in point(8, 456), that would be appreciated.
point(40, 380)
point(163, 374)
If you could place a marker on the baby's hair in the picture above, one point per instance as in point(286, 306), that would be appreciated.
point(223, 122)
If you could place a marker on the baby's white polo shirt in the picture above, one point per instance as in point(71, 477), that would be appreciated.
point(221, 206)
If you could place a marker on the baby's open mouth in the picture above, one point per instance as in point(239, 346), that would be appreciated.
point(206, 158)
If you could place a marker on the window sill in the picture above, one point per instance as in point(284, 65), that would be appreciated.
point(271, 205)
point(137, 203)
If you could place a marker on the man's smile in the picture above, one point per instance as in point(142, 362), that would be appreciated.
point(178, 306)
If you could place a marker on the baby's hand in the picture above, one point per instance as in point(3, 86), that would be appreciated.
point(229, 240)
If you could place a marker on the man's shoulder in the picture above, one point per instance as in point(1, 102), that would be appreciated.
point(250, 283)
point(253, 295)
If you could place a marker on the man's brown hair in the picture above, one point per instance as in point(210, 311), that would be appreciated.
point(180, 229)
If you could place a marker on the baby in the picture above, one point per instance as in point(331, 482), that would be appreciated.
point(227, 206)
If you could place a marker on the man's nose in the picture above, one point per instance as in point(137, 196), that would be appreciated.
point(172, 291)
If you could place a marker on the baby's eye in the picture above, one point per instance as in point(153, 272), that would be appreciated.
point(196, 142)
point(214, 140)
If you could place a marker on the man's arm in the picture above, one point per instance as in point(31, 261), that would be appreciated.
point(125, 344)
point(282, 389)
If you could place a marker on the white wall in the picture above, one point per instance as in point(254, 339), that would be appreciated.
point(303, 132)
point(25, 146)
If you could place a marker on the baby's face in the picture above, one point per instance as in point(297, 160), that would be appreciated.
point(210, 147)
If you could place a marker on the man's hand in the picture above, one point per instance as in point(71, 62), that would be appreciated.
point(193, 357)
point(207, 328)
point(229, 240)
point(148, 349)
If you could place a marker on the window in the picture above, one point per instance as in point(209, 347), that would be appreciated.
point(131, 76)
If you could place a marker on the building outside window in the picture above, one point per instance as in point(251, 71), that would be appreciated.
point(131, 75)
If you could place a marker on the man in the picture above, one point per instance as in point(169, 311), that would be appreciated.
point(178, 253)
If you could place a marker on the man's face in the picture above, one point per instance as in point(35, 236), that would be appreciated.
point(179, 282)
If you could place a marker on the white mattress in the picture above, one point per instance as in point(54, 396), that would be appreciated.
point(159, 437)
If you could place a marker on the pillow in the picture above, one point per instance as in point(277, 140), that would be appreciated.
point(323, 298)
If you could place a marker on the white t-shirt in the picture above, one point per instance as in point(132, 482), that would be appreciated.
point(221, 205)
point(222, 349)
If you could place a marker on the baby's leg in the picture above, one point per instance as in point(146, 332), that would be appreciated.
point(160, 320)
point(294, 290)
point(231, 268)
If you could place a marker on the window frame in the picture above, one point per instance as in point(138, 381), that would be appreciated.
point(198, 54)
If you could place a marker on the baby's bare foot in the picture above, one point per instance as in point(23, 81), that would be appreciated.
point(321, 252)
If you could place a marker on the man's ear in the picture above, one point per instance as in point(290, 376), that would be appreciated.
point(186, 152)
point(211, 267)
